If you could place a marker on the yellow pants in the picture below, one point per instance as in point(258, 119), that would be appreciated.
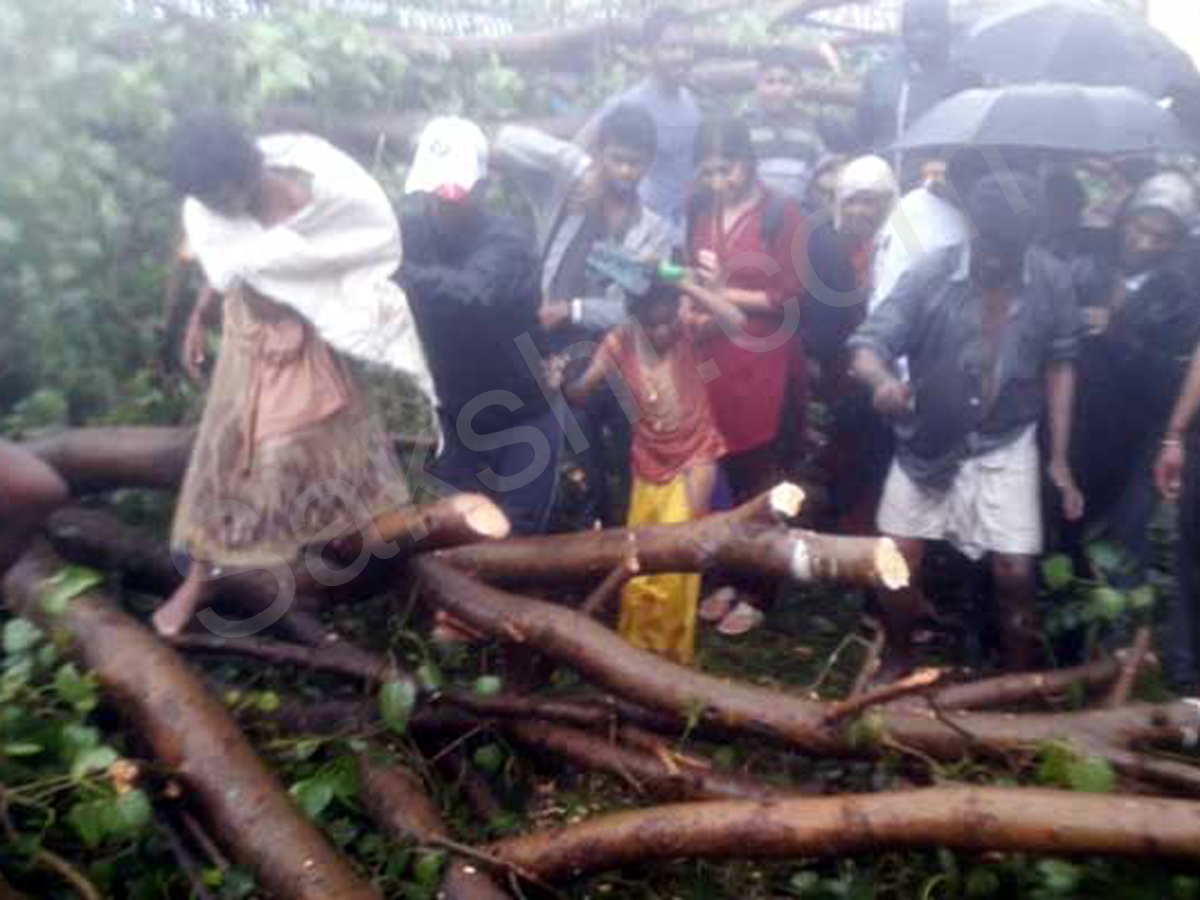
point(658, 612)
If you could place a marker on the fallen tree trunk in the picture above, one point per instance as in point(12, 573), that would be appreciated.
point(102, 459)
point(1023, 687)
point(665, 775)
point(605, 659)
point(191, 733)
point(1023, 820)
point(722, 544)
point(396, 799)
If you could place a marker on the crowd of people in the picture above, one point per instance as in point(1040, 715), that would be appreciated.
point(992, 368)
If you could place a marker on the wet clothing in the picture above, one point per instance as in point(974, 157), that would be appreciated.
point(283, 416)
point(748, 394)
point(658, 612)
point(474, 299)
point(676, 430)
point(965, 407)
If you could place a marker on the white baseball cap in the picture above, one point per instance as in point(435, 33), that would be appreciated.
point(451, 158)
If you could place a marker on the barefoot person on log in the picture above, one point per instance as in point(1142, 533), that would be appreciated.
point(299, 244)
point(990, 333)
point(674, 453)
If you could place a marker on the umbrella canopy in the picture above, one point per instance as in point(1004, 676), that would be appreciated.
point(1063, 117)
point(1078, 41)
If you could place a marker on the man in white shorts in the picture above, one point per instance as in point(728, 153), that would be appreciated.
point(990, 331)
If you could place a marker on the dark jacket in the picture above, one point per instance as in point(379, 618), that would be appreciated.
point(472, 298)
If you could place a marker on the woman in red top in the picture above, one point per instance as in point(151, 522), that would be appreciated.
point(742, 241)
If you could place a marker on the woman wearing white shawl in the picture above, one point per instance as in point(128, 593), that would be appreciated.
point(301, 243)
point(838, 283)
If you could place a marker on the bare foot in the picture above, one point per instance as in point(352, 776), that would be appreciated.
point(173, 616)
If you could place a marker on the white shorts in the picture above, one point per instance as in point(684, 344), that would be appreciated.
point(992, 506)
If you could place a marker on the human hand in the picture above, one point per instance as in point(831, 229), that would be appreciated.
point(1068, 491)
point(1096, 318)
point(195, 346)
point(554, 315)
point(1168, 468)
point(892, 397)
point(708, 267)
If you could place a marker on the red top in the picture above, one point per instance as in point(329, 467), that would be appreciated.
point(676, 430)
point(747, 396)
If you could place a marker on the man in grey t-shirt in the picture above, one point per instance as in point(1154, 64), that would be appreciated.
point(667, 36)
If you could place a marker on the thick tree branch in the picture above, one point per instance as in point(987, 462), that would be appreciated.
point(970, 819)
point(190, 732)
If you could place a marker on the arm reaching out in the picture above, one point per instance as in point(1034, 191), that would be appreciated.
point(1168, 470)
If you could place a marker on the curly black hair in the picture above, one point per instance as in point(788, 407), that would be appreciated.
point(208, 151)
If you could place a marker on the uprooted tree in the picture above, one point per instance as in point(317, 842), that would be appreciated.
point(652, 727)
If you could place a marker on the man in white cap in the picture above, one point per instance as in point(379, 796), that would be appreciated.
point(472, 278)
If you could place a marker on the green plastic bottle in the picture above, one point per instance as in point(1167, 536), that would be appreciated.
point(672, 272)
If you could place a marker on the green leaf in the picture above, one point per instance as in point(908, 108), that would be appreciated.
point(132, 813)
point(21, 635)
point(92, 821)
point(313, 795)
point(488, 685)
point(20, 748)
point(1106, 603)
point(1059, 877)
point(1142, 598)
point(396, 701)
point(75, 690)
point(1091, 774)
point(66, 585)
point(268, 702)
point(1057, 571)
point(1107, 558)
point(97, 759)
point(427, 869)
point(429, 676)
point(489, 757)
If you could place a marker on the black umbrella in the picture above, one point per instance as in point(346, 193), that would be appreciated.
point(1081, 42)
point(1064, 117)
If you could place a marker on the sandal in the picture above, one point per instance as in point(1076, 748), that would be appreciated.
point(717, 605)
point(742, 619)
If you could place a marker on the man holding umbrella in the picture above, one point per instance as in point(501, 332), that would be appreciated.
point(902, 89)
point(989, 329)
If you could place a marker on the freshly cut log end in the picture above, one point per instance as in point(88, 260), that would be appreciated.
point(786, 499)
point(891, 565)
point(482, 516)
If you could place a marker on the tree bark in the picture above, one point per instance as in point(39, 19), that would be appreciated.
point(336, 657)
point(190, 732)
point(720, 544)
point(649, 680)
point(1024, 687)
point(679, 780)
point(1025, 820)
point(91, 460)
point(396, 799)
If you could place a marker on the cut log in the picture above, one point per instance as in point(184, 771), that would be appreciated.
point(735, 544)
point(397, 801)
point(609, 662)
point(1024, 820)
point(91, 460)
point(190, 732)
